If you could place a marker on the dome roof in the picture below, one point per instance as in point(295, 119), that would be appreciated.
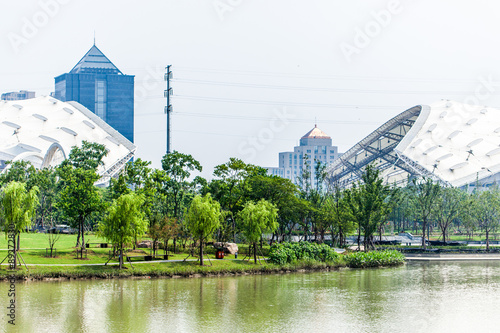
point(316, 133)
point(43, 130)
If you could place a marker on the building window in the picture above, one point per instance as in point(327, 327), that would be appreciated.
point(100, 99)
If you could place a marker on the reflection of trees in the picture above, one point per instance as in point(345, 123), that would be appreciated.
point(347, 300)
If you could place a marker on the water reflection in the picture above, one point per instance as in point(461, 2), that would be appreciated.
point(430, 297)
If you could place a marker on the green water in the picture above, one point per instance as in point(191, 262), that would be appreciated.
point(428, 297)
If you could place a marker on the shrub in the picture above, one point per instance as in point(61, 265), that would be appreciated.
point(284, 253)
point(374, 259)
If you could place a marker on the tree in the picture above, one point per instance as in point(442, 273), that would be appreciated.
point(203, 218)
point(231, 188)
point(124, 221)
point(178, 168)
point(368, 203)
point(449, 207)
point(53, 237)
point(336, 213)
point(89, 156)
point(18, 171)
point(284, 195)
point(79, 198)
point(486, 210)
point(46, 180)
point(425, 193)
point(257, 219)
point(18, 208)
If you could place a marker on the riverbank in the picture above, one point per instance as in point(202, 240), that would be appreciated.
point(186, 269)
point(451, 256)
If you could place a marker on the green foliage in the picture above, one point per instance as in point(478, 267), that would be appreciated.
point(18, 171)
point(178, 168)
point(257, 219)
point(285, 253)
point(203, 216)
point(368, 202)
point(374, 259)
point(424, 198)
point(124, 220)
point(18, 206)
point(89, 156)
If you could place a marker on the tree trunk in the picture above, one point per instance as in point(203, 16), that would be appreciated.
point(175, 245)
point(121, 256)
point(424, 224)
point(255, 253)
point(166, 249)
point(359, 238)
point(201, 251)
point(78, 238)
point(18, 241)
point(487, 240)
point(15, 251)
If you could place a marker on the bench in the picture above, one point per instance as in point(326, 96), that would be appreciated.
point(147, 257)
point(101, 245)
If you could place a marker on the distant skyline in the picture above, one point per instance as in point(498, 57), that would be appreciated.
point(252, 77)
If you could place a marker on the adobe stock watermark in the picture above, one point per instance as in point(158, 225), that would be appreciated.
point(469, 108)
point(31, 26)
point(11, 293)
point(222, 7)
point(254, 144)
point(152, 81)
point(364, 36)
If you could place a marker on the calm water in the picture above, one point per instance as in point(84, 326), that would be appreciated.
point(430, 297)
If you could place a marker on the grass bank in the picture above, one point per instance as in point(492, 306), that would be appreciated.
point(193, 269)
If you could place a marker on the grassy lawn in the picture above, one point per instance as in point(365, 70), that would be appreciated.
point(33, 251)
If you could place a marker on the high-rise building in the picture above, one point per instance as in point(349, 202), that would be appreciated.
point(96, 83)
point(18, 96)
point(315, 148)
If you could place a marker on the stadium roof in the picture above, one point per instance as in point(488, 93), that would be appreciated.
point(43, 130)
point(453, 143)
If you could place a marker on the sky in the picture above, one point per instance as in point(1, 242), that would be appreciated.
point(251, 77)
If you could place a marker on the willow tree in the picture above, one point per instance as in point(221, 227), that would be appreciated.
point(124, 221)
point(203, 218)
point(257, 219)
point(18, 208)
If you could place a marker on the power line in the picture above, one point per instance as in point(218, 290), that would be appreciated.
point(339, 90)
point(285, 103)
point(320, 76)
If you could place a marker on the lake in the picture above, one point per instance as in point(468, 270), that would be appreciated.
point(418, 297)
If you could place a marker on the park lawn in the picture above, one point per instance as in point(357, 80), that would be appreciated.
point(94, 256)
point(41, 241)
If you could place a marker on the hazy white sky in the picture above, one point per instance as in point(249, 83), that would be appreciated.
point(252, 76)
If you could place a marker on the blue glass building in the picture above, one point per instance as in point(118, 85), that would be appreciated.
point(96, 83)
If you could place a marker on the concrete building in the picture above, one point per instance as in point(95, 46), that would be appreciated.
point(96, 83)
point(315, 148)
point(18, 96)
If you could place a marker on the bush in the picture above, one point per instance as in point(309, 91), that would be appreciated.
point(285, 253)
point(374, 259)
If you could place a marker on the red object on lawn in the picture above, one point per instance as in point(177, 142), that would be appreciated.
point(219, 254)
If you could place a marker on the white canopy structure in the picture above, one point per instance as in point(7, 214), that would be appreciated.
point(43, 130)
point(453, 143)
